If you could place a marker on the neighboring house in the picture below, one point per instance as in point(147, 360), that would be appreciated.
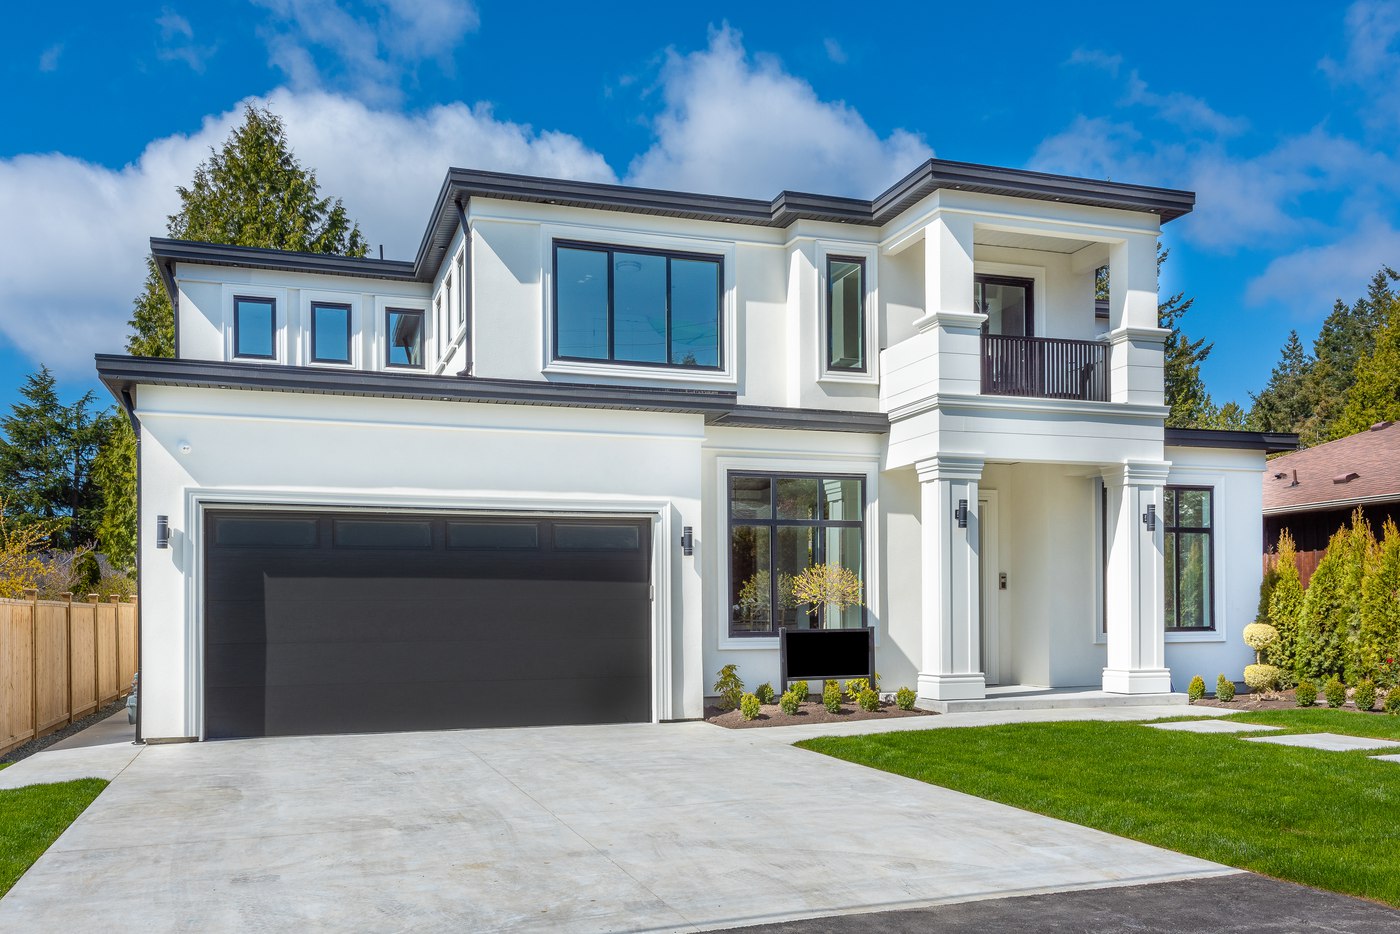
point(1312, 493)
point(561, 465)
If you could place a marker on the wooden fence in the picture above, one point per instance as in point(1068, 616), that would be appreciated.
point(60, 660)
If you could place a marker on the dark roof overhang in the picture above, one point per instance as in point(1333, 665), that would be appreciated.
point(1270, 442)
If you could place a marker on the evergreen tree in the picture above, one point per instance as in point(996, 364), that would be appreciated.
point(1374, 394)
point(1329, 626)
point(1285, 606)
point(1283, 404)
point(250, 192)
point(1380, 608)
point(46, 456)
point(114, 473)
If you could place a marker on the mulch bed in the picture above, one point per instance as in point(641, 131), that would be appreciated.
point(1279, 700)
point(810, 712)
point(48, 739)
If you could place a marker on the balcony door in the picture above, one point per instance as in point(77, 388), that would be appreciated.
point(1008, 303)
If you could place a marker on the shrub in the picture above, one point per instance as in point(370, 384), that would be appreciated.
point(831, 683)
point(1285, 606)
point(1335, 692)
point(831, 697)
point(869, 700)
point(1392, 702)
point(1266, 589)
point(789, 703)
point(1197, 689)
point(749, 706)
point(1261, 678)
point(904, 699)
point(729, 687)
point(1305, 694)
point(1380, 610)
point(1224, 689)
point(1259, 636)
point(799, 688)
point(1365, 695)
point(1329, 625)
point(764, 693)
point(854, 686)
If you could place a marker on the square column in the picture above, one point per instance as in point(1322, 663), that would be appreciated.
point(951, 664)
point(1133, 605)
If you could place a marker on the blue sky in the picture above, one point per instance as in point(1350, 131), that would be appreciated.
point(1284, 118)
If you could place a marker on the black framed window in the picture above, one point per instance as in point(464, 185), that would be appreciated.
point(636, 306)
point(404, 327)
point(1008, 302)
point(780, 525)
point(845, 314)
point(330, 333)
point(1189, 557)
point(255, 327)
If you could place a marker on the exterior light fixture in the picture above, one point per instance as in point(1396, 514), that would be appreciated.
point(961, 514)
point(162, 531)
point(687, 542)
point(1149, 518)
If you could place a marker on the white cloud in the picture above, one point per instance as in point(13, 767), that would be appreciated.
point(742, 125)
point(1307, 281)
point(835, 52)
point(177, 42)
point(1372, 59)
point(1096, 58)
point(74, 264)
point(370, 54)
point(48, 59)
point(1183, 110)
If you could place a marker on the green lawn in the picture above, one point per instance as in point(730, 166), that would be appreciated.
point(1326, 819)
point(32, 817)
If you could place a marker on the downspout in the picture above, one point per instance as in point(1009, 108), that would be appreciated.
point(466, 286)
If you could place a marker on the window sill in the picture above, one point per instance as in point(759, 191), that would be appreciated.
point(636, 372)
point(764, 643)
point(1196, 635)
point(838, 376)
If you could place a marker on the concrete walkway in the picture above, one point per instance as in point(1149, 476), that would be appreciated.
point(100, 751)
point(674, 827)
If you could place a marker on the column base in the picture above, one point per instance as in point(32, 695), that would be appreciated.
point(1137, 680)
point(971, 686)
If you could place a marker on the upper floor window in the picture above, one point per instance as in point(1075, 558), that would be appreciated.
point(845, 313)
point(330, 333)
point(1008, 303)
point(404, 327)
point(255, 327)
point(1188, 547)
point(637, 306)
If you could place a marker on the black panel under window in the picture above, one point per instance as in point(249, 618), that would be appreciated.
point(254, 327)
point(383, 533)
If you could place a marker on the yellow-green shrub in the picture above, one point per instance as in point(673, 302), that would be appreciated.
point(729, 687)
point(749, 706)
point(904, 699)
point(789, 703)
point(1335, 692)
point(1380, 608)
point(1224, 689)
point(1285, 605)
point(799, 688)
point(1196, 689)
point(1260, 678)
point(869, 700)
point(831, 697)
point(1305, 694)
point(764, 693)
point(1365, 694)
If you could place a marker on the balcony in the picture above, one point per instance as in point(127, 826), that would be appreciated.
point(1044, 368)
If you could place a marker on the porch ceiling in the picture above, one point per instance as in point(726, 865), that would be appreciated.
point(1024, 241)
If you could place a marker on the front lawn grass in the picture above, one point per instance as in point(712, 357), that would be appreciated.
point(1326, 819)
point(1325, 720)
point(32, 817)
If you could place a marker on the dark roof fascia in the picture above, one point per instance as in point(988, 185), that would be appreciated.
point(1270, 442)
point(461, 185)
point(168, 252)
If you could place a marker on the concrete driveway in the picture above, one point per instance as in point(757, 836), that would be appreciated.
point(673, 827)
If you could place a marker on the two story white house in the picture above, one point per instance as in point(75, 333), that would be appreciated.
point(563, 465)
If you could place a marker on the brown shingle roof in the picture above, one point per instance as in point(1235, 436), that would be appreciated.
point(1364, 467)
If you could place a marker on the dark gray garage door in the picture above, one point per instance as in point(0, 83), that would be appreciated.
point(350, 622)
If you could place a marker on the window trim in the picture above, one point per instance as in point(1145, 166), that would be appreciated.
point(238, 326)
point(349, 333)
point(775, 523)
point(389, 312)
point(610, 360)
point(1209, 530)
point(830, 364)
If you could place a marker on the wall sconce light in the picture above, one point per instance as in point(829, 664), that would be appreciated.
point(687, 542)
point(1149, 518)
point(162, 531)
point(961, 514)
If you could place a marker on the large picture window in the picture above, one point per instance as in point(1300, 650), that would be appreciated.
point(845, 314)
point(637, 306)
point(1189, 524)
point(780, 525)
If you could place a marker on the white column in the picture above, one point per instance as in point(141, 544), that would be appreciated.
point(950, 331)
point(951, 663)
point(1133, 606)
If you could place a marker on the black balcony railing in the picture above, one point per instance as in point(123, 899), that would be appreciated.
point(1044, 368)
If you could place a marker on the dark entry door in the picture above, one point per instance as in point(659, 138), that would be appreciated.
point(318, 622)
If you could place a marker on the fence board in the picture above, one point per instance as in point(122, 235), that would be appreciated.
point(51, 665)
point(17, 677)
point(84, 628)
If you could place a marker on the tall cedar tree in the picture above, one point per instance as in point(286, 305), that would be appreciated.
point(1285, 606)
point(1380, 608)
point(115, 475)
point(250, 192)
point(1329, 627)
point(46, 456)
point(1374, 395)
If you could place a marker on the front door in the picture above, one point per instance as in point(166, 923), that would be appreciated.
point(989, 565)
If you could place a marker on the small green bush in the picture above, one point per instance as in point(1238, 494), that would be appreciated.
point(1365, 696)
point(1224, 689)
point(729, 687)
point(764, 693)
point(1392, 702)
point(854, 686)
point(869, 700)
point(831, 683)
point(801, 689)
point(1305, 694)
point(789, 702)
point(831, 697)
point(1197, 689)
point(1335, 692)
point(749, 706)
point(904, 699)
point(1261, 678)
